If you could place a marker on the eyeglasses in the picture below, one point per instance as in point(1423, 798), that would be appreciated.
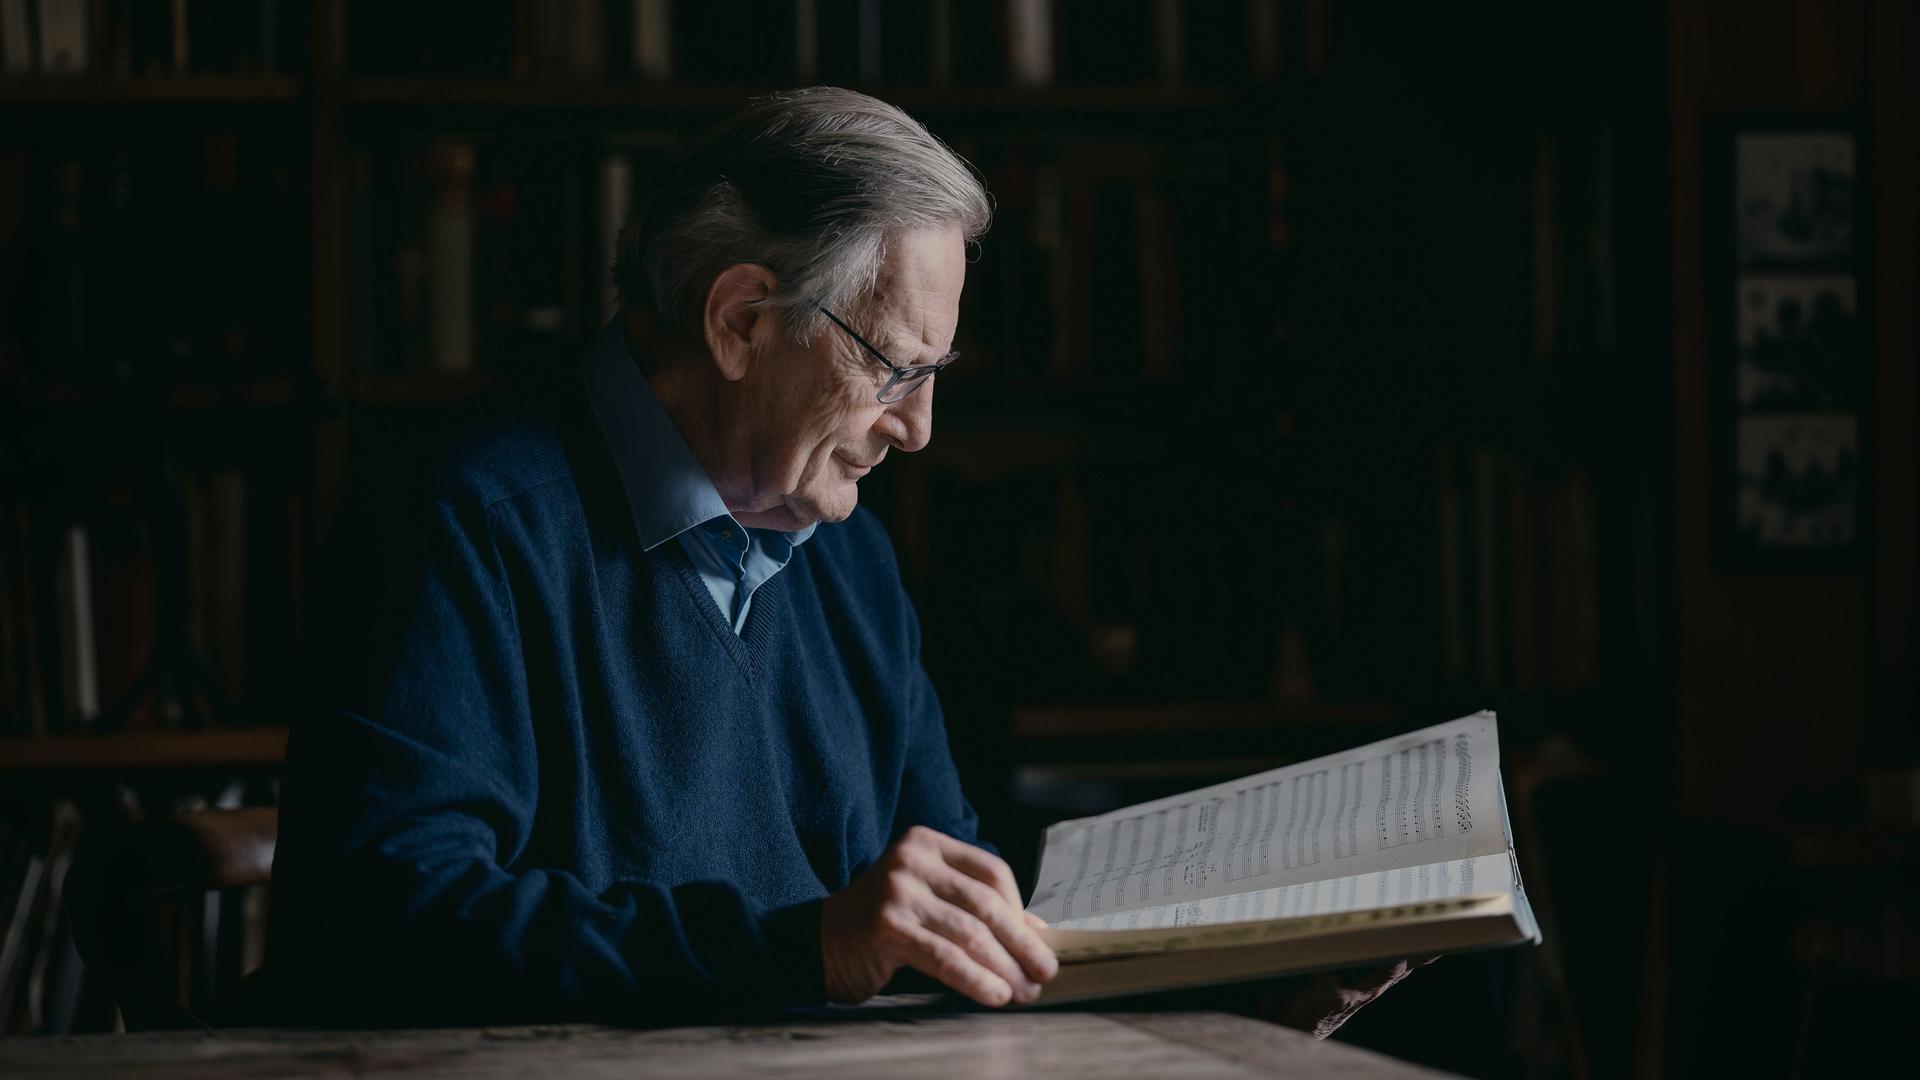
point(905, 380)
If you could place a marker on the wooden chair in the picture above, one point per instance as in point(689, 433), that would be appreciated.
point(125, 883)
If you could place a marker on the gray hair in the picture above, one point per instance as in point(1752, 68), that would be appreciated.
point(808, 183)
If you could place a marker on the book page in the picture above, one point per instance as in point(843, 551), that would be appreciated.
point(1481, 875)
point(1427, 797)
point(1074, 946)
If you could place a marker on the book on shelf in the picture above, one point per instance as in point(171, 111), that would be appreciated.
point(485, 256)
point(1400, 848)
point(16, 38)
point(450, 257)
point(1515, 556)
point(1108, 41)
point(146, 37)
point(977, 37)
point(63, 36)
point(616, 199)
point(88, 603)
point(653, 39)
point(1030, 42)
point(1022, 42)
point(447, 38)
point(146, 258)
point(73, 618)
point(25, 869)
point(566, 38)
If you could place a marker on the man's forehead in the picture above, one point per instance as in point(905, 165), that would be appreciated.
point(916, 294)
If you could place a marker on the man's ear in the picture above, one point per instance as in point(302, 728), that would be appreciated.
point(736, 316)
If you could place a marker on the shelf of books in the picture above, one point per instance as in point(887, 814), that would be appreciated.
point(142, 90)
point(215, 322)
point(226, 748)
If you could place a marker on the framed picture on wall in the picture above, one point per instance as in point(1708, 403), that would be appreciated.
point(1789, 341)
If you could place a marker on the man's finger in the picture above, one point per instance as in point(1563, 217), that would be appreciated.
point(978, 939)
point(934, 955)
point(980, 865)
point(1037, 961)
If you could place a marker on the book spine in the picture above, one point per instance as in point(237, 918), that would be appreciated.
point(1488, 608)
point(65, 314)
point(124, 616)
point(1265, 58)
point(12, 678)
point(577, 253)
point(226, 576)
point(148, 38)
point(1545, 281)
point(653, 39)
point(940, 42)
point(17, 943)
point(1449, 550)
point(1030, 42)
point(63, 37)
point(182, 37)
point(497, 203)
point(197, 527)
point(552, 50)
point(586, 46)
point(53, 984)
point(1159, 296)
point(1600, 255)
point(16, 38)
point(1170, 39)
point(33, 646)
point(1073, 285)
point(73, 611)
point(15, 272)
point(616, 197)
point(1525, 631)
point(1314, 33)
point(869, 41)
point(806, 41)
point(269, 35)
point(1040, 277)
point(450, 270)
point(363, 297)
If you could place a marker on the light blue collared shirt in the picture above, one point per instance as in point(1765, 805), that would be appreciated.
point(670, 495)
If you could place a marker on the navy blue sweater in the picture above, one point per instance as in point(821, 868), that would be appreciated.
point(545, 780)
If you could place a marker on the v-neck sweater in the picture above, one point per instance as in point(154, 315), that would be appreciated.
point(542, 777)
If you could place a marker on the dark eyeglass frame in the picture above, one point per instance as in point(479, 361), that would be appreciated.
point(910, 376)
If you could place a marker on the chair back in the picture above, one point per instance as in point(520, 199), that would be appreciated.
point(132, 891)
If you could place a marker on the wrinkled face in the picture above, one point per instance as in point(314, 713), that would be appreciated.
point(819, 426)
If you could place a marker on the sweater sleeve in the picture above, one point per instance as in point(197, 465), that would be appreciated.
point(412, 792)
point(930, 791)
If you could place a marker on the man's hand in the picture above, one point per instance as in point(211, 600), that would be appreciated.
point(941, 907)
point(1321, 1003)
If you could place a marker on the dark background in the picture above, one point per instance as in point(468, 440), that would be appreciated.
point(1331, 369)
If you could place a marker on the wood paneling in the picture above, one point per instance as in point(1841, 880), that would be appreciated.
point(1781, 677)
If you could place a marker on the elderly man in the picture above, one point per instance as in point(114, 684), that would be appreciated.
point(635, 726)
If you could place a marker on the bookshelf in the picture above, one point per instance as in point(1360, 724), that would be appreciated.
point(1199, 151)
point(260, 746)
point(1188, 507)
point(713, 100)
point(154, 90)
point(346, 106)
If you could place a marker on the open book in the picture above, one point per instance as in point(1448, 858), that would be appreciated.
point(1397, 849)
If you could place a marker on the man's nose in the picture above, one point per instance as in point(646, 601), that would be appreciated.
point(908, 423)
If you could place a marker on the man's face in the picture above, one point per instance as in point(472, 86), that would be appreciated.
point(819, 424)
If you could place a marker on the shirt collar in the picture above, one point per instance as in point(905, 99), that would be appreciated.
point(667, 490)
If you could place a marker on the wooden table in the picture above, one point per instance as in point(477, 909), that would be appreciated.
point(1052, 1045)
